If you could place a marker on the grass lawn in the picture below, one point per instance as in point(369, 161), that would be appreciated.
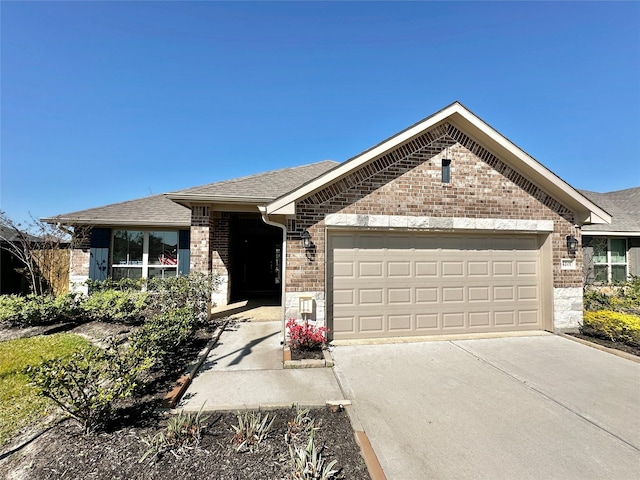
point(19, 405)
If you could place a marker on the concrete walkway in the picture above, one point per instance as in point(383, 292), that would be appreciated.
point(540, 407)
point(245, 371)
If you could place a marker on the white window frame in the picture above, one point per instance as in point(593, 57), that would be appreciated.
point(145, 251)
point(609, 264)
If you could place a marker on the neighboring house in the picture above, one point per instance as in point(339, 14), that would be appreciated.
point(12, 281)
point(612, 252)
point(446, 227)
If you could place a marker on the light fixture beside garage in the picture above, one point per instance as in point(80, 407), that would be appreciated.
point(572, 244)
point(306, 239)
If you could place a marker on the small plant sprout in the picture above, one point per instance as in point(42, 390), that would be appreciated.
point(183, 432)
point(301, 423)
point(308, 463)
point(252, 428)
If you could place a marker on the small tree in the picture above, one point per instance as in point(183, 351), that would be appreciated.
point(41, 248)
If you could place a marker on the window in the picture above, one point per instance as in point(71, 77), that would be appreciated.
point(446, 170)
point(142, 254)
point(609, 259)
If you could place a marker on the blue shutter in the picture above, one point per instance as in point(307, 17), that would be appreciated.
point(184, 253)
point(99, 254)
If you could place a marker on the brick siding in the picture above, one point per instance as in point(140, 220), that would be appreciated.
point(406, 181)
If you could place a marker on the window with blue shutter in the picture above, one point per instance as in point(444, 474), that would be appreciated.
point(184, 255)
point(99, 254)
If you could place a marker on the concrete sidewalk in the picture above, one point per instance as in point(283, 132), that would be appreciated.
point(245, 371)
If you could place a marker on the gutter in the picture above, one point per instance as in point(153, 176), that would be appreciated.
point(265, 219)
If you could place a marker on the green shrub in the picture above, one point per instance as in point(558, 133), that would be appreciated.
point(622, 297)
point(35, 310)
point(87, 383)
point(123, 284)
point(120, 306)
point(161, 336)
point(616, 326)
point(191, 291)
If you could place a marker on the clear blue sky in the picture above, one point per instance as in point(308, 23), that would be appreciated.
point(109, 101)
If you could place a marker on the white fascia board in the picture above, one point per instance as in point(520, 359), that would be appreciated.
point(588, 233)
point(197, 198)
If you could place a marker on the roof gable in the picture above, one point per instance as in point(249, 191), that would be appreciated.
point(460, 117)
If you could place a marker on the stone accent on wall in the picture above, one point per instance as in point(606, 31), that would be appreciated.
point(438, 223)
point(79, 270)
point(292, 304)
point(567, 307)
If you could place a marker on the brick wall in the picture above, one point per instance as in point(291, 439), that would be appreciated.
point(210, 248)
point(407, 181)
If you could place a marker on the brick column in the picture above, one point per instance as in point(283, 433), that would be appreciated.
point(209, 249)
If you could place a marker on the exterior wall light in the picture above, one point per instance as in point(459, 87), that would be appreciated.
point(306, 239)
point(572, 244)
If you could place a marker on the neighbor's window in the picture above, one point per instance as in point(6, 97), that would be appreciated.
point(609, 260)
point(141, 254)
point(446, 170)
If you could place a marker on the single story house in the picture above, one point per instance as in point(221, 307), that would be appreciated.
point(612, 252)
point(445, 227)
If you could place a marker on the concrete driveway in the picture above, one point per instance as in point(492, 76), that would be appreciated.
point(539, 407)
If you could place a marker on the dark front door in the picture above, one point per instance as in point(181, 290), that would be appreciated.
point(256, 260)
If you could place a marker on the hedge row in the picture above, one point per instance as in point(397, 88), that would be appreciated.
point(125, 301)
point(615, 326)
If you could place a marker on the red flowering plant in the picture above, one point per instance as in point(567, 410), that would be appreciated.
point(304, 336)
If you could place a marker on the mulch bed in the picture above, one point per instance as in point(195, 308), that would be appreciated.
point(608, 343)
point(64, 452)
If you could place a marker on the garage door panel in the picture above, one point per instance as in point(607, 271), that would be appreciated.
point(452, 294)
point(527, 268)
point(399, 269)
point(370, 296)
point(479, 319)
point(343, 270)
point(478, 269)
point(478, 294)
point(427, 322)
point(452, 320)
point(502, 268)
point(427, 295)
point(400, 323)
point(505, 318)
point(399, 296)
point(426, 269)
point(501, 294)
point(384, 285)
point(452, 269)
point(373, 323)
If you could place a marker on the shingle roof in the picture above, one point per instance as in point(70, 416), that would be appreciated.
point(156, 210)
point(259, 187)
point(160, 210)
point(624, 207)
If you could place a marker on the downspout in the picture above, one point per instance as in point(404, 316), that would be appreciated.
point(283, 274)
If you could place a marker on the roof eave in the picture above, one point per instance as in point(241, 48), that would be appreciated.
point(192, 198)
point(110, 222)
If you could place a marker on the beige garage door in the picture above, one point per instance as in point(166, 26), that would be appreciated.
point(393, 285)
